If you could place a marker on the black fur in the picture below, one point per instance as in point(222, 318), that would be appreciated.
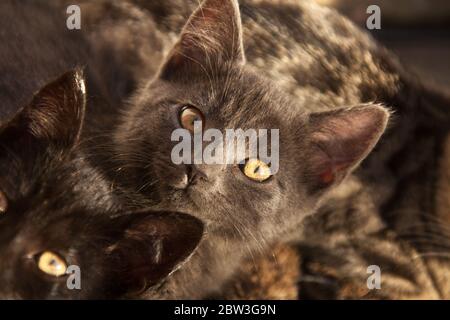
point(54, 198)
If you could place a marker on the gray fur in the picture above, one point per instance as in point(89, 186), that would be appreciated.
point(322, 61)
point(242, 217)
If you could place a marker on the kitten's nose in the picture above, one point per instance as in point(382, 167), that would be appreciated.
point(190, 176)
point(194, 173)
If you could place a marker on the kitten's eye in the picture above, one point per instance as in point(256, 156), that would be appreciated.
point(188, 116)
point(3, 203)
point(256, 170)
point(52, 264)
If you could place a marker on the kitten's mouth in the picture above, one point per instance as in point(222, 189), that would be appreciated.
point(183, 200)
point(188, 196)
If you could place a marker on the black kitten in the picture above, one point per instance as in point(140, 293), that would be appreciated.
point(57, 210)
point(206, 73)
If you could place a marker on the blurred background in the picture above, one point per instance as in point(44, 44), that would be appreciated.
point(418, 31)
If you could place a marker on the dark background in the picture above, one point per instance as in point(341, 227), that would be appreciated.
point(418, 31)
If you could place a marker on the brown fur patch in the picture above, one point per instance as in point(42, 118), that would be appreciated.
point(272, 276)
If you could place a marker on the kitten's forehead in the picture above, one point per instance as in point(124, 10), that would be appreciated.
point(243, 99)
point(64, 214)
point(231, 98)
point(66, 186)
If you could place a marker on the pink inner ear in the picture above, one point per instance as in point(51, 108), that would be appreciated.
point(345, 138)
point(327, 177)
point(331, 173)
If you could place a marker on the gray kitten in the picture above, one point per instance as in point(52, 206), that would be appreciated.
point(324, 61)
point(208, 72)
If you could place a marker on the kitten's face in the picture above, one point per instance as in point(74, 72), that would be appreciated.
point(89, 255)
point(60, 227)
point(206, 70)
point(219, 193)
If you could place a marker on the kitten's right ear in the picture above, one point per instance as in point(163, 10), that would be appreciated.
point(53, 119)
point(149, 246)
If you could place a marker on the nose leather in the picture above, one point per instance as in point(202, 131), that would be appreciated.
point(195, 173)
point(190, 176)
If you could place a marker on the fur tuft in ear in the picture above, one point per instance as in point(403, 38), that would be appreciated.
point(211, 37)
point(150, 246)
point(341, 139)
point(53, 118)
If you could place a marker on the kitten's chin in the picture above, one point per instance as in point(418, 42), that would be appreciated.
point(181, 200)
point(186, 200)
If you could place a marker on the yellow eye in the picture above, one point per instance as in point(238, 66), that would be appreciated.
point(188, 116)
point(256, 170)
point(52, 264)
point(3, 203)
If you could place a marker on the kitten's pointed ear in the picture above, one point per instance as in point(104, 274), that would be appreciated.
point(151, 246)
point(341, 139)
point(53, 118)
point(212, 35)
